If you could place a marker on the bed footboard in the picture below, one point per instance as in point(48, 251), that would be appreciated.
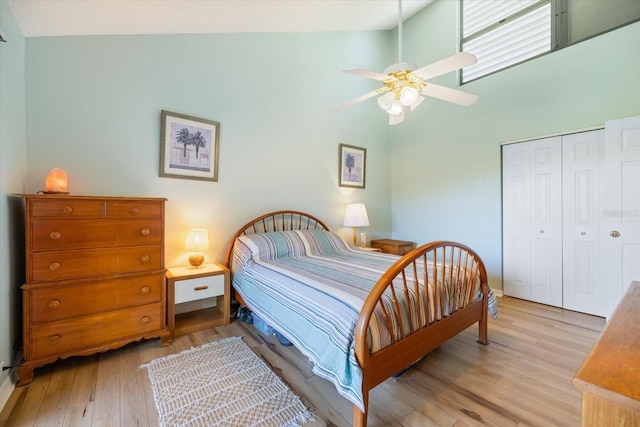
point(417, 325)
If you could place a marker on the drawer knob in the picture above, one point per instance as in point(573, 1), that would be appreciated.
point(145, 320)
point(135, 210)
point(145, 231)
point(55, 235)
point(145, 290)
point(200, 288)
point(54, 339)
point(54, 304)
point(54, 266)
point(145, 258)
point(67, 209)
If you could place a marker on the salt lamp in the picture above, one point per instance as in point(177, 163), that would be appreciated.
point(56, 182)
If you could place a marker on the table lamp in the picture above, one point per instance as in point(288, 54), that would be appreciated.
point(356, 216)
point(197, 242)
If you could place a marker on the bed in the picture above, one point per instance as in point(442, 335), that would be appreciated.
point(359, 316)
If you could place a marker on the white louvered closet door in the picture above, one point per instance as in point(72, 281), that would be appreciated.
point(532, 220)
point(582, 288)
point(620, 231)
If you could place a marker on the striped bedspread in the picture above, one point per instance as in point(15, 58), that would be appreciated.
point(310, 286)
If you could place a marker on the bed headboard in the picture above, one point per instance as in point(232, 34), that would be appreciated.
point(276, 221)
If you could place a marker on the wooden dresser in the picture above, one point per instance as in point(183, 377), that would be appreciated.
point(609, 378)
point(95, 276)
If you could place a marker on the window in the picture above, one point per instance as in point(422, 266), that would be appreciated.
point(503, 33)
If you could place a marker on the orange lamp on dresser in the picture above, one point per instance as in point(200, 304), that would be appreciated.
point(56, 182)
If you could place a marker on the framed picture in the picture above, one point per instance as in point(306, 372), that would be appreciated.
point(352, 166)
point(189, 147)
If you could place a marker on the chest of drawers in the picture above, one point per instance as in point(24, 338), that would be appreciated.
point(95, 276)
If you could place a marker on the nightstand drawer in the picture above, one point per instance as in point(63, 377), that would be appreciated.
point(199, 288)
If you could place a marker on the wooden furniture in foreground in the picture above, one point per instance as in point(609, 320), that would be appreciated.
point(412, 343)
point(188, 284)
point(94, 276)
point(390, 246)
point(609, 378)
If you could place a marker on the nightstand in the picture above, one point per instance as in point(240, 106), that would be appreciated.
point(390, 246)
point(197, 298)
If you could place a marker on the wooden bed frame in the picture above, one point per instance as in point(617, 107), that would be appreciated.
point(408, 345)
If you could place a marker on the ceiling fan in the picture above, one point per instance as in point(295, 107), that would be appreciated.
point(404, 84)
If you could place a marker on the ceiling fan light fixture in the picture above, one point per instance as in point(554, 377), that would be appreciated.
point(396, 108)
point(385, 101)
point(408, 95)
point(395, 119)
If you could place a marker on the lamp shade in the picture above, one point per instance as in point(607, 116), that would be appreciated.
point(197, 240)
point(356, 215)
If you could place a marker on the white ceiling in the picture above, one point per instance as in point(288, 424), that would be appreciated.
point(39, 18)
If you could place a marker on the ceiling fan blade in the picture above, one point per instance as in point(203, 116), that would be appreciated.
point(356, 100)
point(366, 73)
point(447, 94)
point(452, 63)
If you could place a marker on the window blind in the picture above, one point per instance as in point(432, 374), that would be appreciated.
point(524, 34)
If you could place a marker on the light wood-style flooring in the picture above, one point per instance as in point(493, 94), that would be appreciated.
point(522, 378)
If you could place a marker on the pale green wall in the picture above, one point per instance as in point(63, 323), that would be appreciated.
point(93, 109)
point(12, 177)
point(446, 158)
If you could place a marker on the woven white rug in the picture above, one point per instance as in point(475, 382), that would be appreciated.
point(222, 383)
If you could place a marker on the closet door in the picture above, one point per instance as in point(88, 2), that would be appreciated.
point(532, 220)
point(581, 188)
point(620, 232)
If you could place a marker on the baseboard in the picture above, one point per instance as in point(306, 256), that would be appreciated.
point(6, 387)
point(498, 292)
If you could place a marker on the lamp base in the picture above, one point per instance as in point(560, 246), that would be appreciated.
point(196, 260)
point(55, 192)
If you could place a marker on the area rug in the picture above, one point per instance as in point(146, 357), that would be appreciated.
point(222, 383)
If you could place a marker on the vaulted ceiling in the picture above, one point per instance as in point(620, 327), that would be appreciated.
point(99, 17)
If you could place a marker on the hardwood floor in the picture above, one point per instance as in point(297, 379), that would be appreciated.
point(522, 378)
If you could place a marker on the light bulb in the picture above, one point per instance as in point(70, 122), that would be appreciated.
point(385, 101)
point(408, 95)
point(396, 108)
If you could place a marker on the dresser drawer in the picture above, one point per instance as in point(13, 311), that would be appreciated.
point(47, 304)
point(55, 266)
point(199, 288)
point(83, 234)
point(74, 335)
point(134, 209)
point(68, 208)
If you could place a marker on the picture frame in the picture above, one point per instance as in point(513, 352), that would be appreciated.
point(189, 147)
point(352, 166)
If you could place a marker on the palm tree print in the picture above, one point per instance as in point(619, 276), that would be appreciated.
point(185, 137)
point(199, 141)
point(350, 163)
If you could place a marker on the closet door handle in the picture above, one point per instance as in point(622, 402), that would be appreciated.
point(614, 234)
